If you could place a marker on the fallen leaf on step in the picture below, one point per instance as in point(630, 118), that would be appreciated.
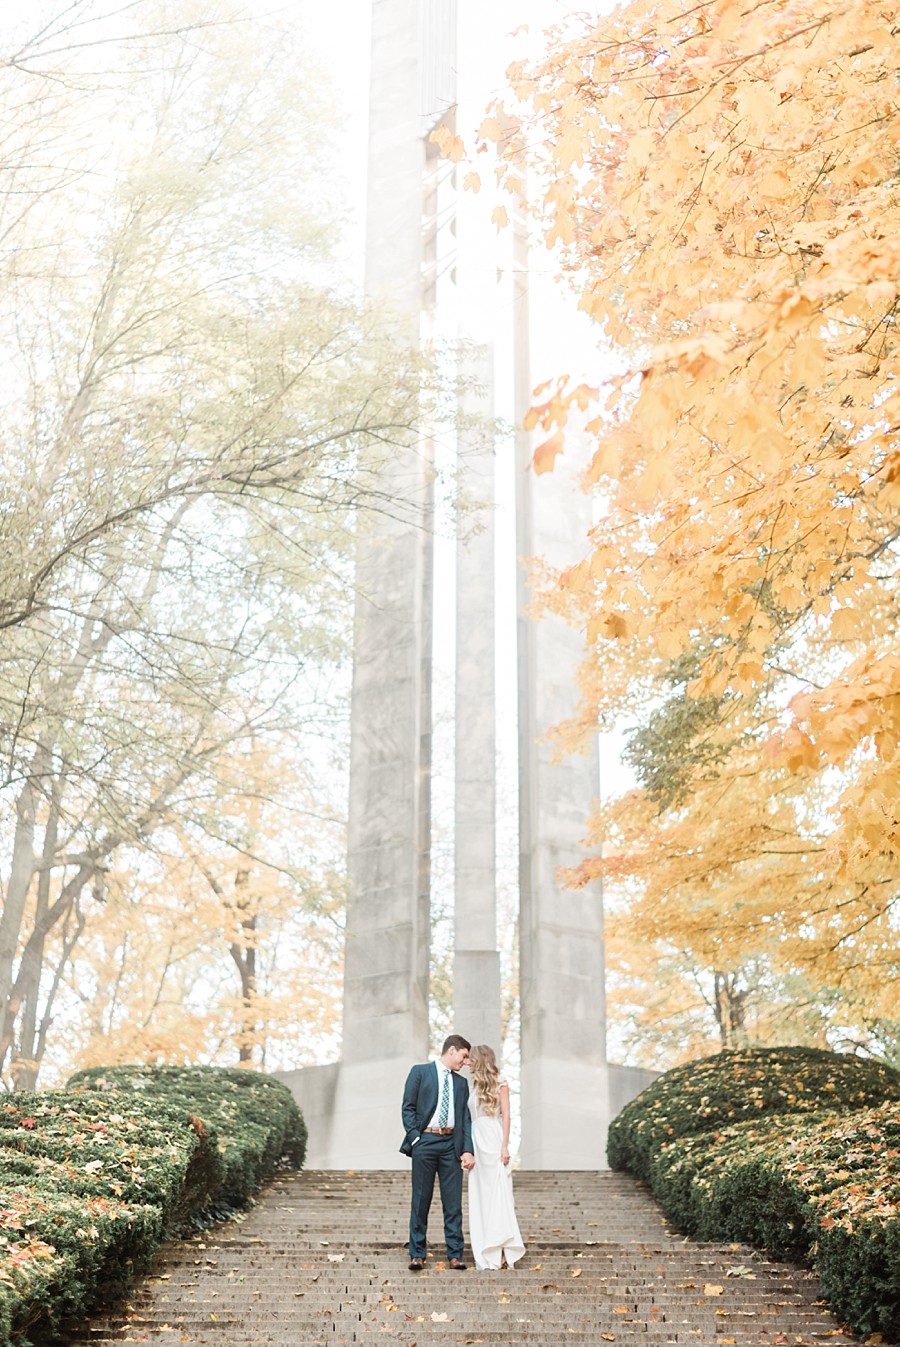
point(549, 1286)
point(576, 1272)
point(538, 1267)
point(873, 1340)
point(502, 1300)
point(608, 1337)
point(741, 1271)
point(710, 1289)
point(440, 1318)
point(335, 1258)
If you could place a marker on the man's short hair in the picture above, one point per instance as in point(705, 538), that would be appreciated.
point(456, 1041)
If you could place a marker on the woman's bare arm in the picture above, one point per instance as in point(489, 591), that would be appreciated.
point(504, 1118)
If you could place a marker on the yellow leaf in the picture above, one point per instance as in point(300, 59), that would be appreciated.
point(575, 578)
point(472, 183)
point(605, 462)
point(499, 217)
point(490, 129)
point(615, 626)
point(846, 625)
point(641, 148)
point(545, 455)
point(450, 146)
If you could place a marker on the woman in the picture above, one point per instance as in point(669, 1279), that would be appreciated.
point(493, 1228)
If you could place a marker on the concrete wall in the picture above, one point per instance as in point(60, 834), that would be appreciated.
point(626, 1083)
point(334, 1101)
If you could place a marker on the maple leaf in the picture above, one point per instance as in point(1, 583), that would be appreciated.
point(545, 455)
point(450, 146)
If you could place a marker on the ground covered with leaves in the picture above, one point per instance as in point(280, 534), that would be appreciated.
point(793, 1149)
point(97, 1175)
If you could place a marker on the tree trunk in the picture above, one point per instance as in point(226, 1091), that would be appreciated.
point(730, 1009)
point(25, 1062)
point(20, 877)
point(243, 952)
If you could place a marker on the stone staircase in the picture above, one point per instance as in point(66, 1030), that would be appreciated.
point(322, 1260)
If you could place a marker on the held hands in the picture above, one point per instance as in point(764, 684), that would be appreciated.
point(467, 1160)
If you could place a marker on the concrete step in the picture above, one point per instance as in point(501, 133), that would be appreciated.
point(322, 1260)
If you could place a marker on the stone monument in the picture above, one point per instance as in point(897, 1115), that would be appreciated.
point(569, 1092)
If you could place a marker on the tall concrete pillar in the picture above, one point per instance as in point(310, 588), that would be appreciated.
point(565, 1082)
point(476, 960)
point(385, 1023)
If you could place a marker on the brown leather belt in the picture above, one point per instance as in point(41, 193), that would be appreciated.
point(439, 1131)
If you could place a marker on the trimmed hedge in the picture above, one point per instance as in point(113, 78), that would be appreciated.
point(751, 1083)
point(255, 1116)
point(827, 1189)
point(822, 1184)
point(95, 1177)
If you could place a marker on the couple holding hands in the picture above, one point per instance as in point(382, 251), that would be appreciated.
point(450, 1128)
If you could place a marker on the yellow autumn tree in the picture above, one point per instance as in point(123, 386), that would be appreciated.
point(719, 183)
point(220, 943)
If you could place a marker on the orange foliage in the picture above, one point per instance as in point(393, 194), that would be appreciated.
point(719, 181)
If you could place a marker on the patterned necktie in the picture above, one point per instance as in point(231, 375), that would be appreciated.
point(444, 1111)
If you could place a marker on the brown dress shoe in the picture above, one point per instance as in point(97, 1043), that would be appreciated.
point(457, 1264)
point(416, 1264)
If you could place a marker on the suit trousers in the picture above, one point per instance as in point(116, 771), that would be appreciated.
point(436, 1155)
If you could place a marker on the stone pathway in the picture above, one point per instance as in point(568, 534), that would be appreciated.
point(321, 1260)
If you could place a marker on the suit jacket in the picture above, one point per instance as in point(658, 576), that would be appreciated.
point(420, 1099)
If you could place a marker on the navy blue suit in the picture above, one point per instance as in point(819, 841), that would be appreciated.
point(435, 1155)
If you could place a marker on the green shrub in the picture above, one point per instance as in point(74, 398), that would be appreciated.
point(88, 1191)
point(57, 1251)
point(136, 1150)
point(822, 1184)
point(96, 1176)
point(751, 1083)
point(255, 1116)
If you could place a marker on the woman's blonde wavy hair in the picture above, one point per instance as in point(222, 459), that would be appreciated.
point(486, 1075)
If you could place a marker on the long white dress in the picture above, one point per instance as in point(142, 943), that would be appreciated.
point(493, 1228)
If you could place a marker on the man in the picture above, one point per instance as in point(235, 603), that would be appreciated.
point(439, 1139)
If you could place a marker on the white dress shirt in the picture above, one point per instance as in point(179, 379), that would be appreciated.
point(443, 1071)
